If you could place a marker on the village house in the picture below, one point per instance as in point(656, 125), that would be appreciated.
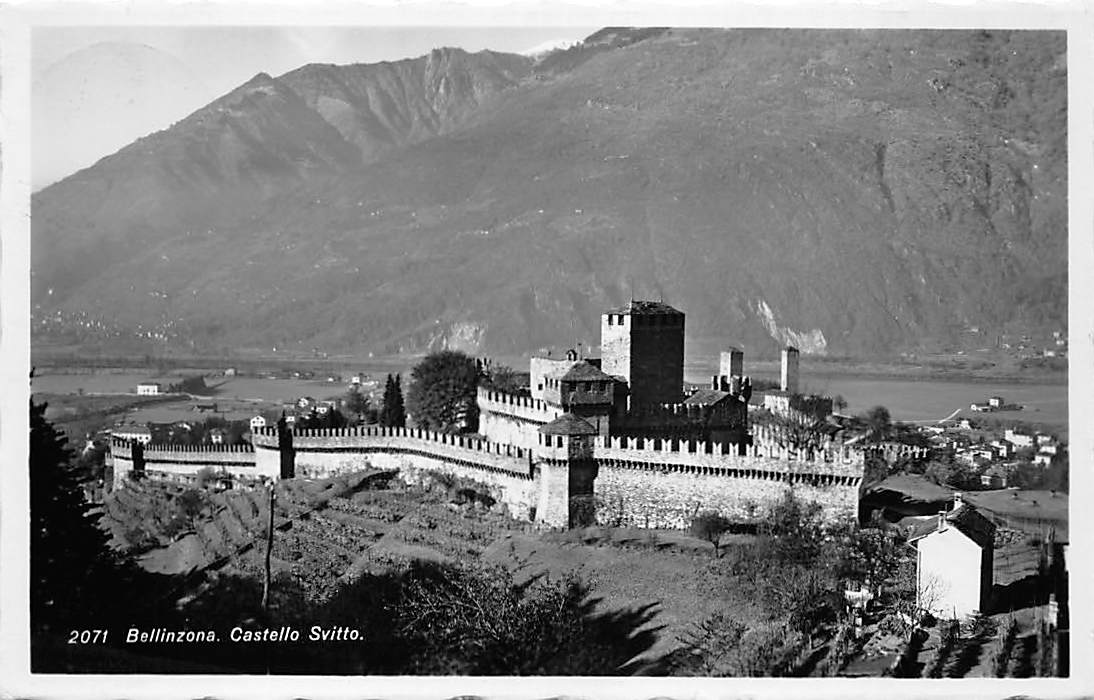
point(954, 559)
point(216, 436)
point(129, 433)
point(1003, 448)
point(997, 476)
point(149, 389)
point(258, 422)
point(1018, 439)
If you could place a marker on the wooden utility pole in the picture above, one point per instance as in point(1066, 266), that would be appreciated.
point(269, 549)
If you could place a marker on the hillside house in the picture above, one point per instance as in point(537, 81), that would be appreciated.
point(1018, 439)
point(149, 389)
point(216, 436)
point(996, 402)
point(1003, 448)
point(954, 560)
point(129, 433)
point(258, 422)
point(1043, 459)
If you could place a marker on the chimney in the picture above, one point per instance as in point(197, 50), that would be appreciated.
point(941, 520)
point(715, 381)
point(957, 500)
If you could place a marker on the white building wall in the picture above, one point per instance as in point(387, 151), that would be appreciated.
point(948, 573)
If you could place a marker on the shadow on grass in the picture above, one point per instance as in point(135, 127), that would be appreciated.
point(424, 619)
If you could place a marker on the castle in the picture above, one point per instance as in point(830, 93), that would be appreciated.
point(612, 440)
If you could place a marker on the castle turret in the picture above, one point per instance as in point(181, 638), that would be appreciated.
point(567, 471)
point(789, 382)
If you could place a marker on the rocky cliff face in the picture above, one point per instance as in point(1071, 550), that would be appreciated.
point(858, 192)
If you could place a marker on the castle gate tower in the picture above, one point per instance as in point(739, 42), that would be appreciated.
point(790, 370)
point(643, 342)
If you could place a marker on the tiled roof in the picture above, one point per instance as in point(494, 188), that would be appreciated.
point(966, 519)
point(644, 307)
point(585, 372)
point(568, 424)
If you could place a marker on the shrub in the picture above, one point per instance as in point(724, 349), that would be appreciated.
point(711, 526)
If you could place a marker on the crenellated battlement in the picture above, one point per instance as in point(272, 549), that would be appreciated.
point(304, 439)
point(686, 411)
point(118, 445)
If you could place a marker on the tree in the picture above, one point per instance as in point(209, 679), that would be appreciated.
point(70, 560)
point(356, 402)
point(442, 392)
point(500, 378)
point(710, 526)
point(878, 422)
point(393, 415)
point(839, 403)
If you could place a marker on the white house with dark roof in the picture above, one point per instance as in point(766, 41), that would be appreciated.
point(954, 560)
point(129, 433)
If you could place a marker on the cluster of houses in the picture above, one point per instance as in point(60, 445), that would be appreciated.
point(996, 457)
point(1026, 347)
point(295, 411)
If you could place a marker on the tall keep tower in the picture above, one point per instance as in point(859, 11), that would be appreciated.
point(790, 370)
point(643, 342)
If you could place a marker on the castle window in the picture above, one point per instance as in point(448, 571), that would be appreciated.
point(621, 319)
point(611, 319)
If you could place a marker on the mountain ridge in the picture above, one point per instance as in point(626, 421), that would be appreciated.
point(839, 190)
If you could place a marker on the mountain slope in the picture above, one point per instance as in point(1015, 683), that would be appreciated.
point(849, 192)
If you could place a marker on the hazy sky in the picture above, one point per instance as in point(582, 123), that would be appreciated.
point(96, 89)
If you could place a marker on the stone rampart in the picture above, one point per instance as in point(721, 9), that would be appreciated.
point(836, 460)
point(506, 469)
point(523, 407)
point(185, 461)
point(645, 482)
point(513, 419)
point(666, 483)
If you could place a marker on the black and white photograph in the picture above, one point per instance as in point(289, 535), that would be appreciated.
point(559, 345)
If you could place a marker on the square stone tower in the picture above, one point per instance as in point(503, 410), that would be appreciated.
point(732, 362)
point(790, 370)
point(643, 342)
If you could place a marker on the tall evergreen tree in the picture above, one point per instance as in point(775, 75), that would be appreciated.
point(393, 415)
point(398, 410)
point(385, 410)
point(70, 560)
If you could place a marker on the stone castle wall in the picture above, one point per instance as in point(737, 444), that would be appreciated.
point(646, 482)
point(181, 462)
point(513, 419)
point(666, 483)
point(641, 495)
